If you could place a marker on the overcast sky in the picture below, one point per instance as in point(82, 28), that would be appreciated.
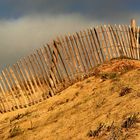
point(27, 24)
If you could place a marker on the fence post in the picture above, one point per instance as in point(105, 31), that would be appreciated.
point(133, 25)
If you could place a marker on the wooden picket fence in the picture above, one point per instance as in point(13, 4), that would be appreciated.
point(64, 61)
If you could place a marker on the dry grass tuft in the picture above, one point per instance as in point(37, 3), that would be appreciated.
point(14, 131)
point(95, 133)
point(130, 121)
point(125, 91)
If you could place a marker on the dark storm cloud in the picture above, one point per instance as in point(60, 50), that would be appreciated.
point(97, 9)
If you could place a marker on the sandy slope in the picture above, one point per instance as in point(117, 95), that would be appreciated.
point(82, 107)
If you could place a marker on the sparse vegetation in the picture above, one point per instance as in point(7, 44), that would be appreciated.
point(130, 121)
point(88, 81)
point(111, 75)
point(77, 93)
point(115, 132)
point(14, 131)
point(100, 103)
point(94, 133)
point(19, 116)
point(125, 91)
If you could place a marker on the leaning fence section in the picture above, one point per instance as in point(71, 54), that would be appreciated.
point(65, 60)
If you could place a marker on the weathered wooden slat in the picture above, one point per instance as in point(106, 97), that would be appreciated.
point(92, 43)
point(32, 79)
point(6, 106)
point(25, 83)
point(80, 54)
point(11, 93)
point(102, 46)
point(75, 54)
point(121, 49)
point(2, 106)
point(77, 57)
point(26, 63)
point(64, 59)
point(138, 42)
point(86, 49)
point(40, 72)
point(72, 57)
point(126, 40)
point(45, 76)
point(67, 57)
point(99, 46)
point(105, 40)
point(36, 74)
point(129, 40)
point(21, 86)
point(22, 83)
point(51, 64)
point(54, 59)
point(135, 43)
point(83, 51)
point(114, 46)
point(125, 50)
point(118, 44)
point(14, 90)
point(55, 63)
point(90, 47)
point(133, 40)
point(133, 26)
point(118, 36)
point(58, 63)
point(18, 86)
point(110, 42)
point(57, 47)
point(48, 76)
point(133, 29)
point(30, 84)
point(6, 94)
point(50, 71)
point(113, 36)
point(122, 38)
